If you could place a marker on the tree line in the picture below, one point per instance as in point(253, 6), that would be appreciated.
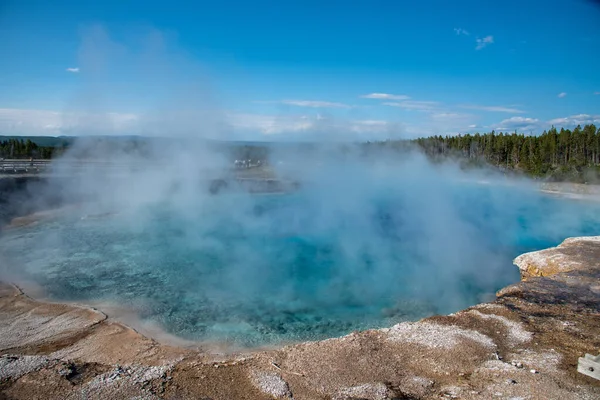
point(14, 148)
point(559, 155)
point(572, 155)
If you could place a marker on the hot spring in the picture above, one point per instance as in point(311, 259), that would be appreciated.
point(257, 270)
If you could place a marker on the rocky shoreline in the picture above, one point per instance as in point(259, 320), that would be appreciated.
point(523, 345)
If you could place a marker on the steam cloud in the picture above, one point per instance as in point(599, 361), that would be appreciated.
point(399, 227)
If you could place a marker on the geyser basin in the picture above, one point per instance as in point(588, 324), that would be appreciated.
point(253, 270)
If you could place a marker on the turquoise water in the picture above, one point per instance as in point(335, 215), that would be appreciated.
point(261, 270)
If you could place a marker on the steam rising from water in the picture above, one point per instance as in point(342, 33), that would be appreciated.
point(368, 240)
point(365, 242)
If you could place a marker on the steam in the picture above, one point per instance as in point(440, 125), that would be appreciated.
point(141, 85)
point(366, 239)
point(375, 228)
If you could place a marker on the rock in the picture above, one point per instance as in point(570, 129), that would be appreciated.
point(416, 386)
point(368, 391)
point(271, 384)
point(565, 257)
point(66, 369)
point(14, 367)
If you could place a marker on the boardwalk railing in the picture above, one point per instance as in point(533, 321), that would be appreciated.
point(70, 166)
point(23, 166)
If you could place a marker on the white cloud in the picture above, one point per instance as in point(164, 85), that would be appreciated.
point(448, 123)
point(455, 121)
point(482, 43)
point(318, 127)
point(414, 105)
point(561, 95)
point(574, 120)
point(53, 123)
point(314, 104)
point(534, 125)
point(492, 108)
point(371, 127)
point(371, 122)
point(324, 127)
point(269, 124)
point(519, 124)
point(445, 115)
point(74, 70)
point(306, 103)
point(385, 96)
point(596, 93)
point(460, 31)
point(15, 121)
point(520, 120)
point(29, 122)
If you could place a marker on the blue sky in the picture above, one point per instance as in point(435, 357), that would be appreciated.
point(271, 70)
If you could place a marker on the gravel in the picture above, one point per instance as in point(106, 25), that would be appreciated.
point(436, 336)
point(14, 367)
point(271, 384)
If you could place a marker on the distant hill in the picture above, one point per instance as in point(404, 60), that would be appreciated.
point(43, 141)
